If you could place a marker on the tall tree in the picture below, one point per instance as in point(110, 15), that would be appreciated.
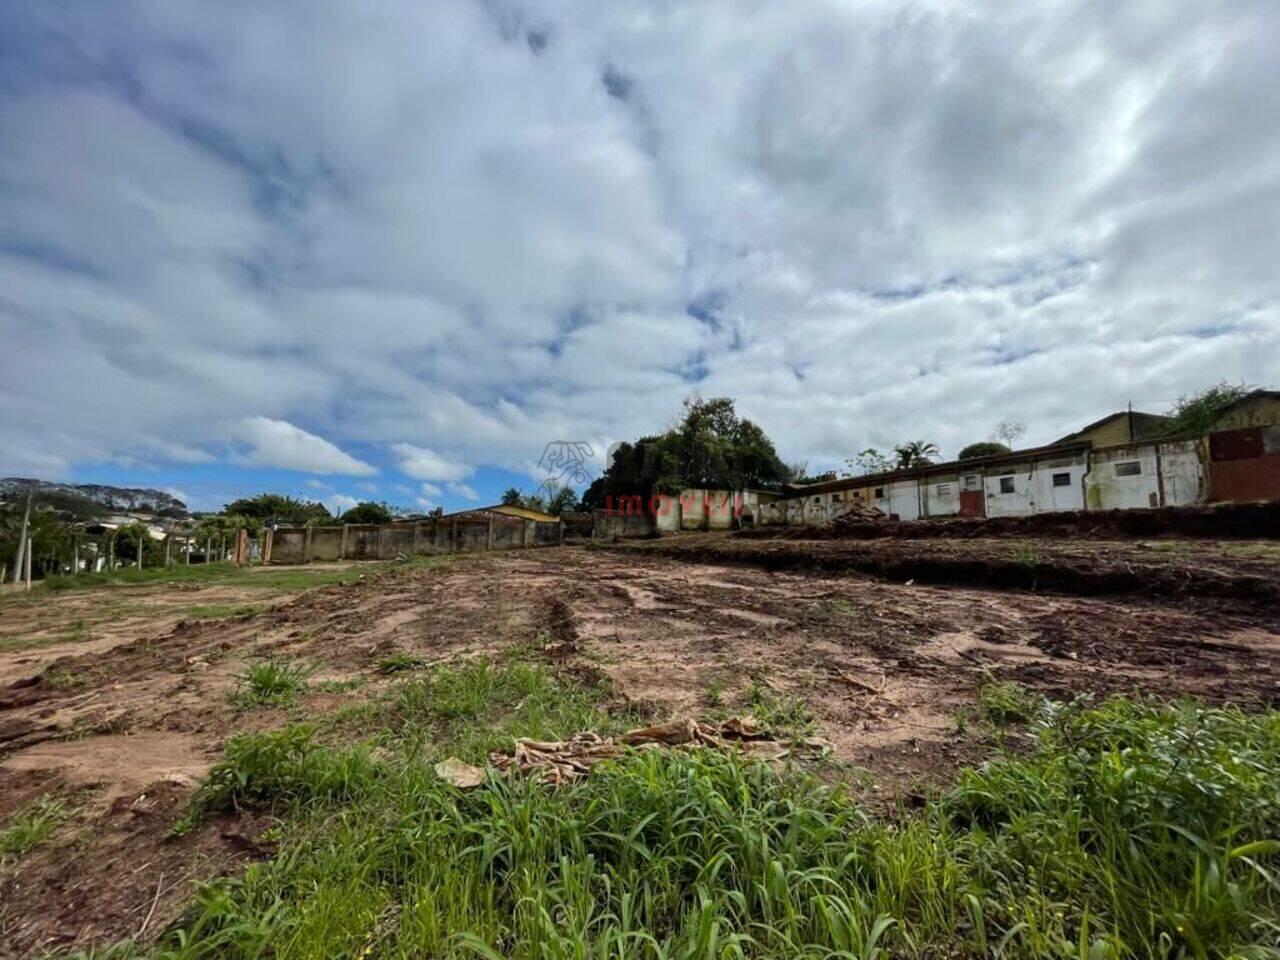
point(367, 512)
point(710, 447)
point(510, 496)
point(278, 507)
point(1200, 412)
point(916, 453)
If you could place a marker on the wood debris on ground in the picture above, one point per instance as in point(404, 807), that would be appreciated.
point(561, 761)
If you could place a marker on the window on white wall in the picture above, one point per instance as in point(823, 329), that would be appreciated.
point(879, 493)
point(971, 482)
point(1062, 479)
point(1006, 484)
point(944, 489)
point(1130, 468)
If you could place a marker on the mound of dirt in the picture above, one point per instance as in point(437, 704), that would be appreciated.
point(1222, 521)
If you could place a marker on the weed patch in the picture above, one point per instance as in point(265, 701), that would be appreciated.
point(270, 683)
point(1002, 703)
point(398, 662)
point(474, 708)
point(30, 827)
point(787, 716)
point(1129, 830)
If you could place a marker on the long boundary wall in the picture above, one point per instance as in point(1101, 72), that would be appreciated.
point(386, 541)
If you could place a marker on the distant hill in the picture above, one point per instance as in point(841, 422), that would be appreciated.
point(87, 500)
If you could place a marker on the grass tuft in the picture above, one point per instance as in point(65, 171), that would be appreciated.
point(398, 662)
point(30, 827)
point(270, 683)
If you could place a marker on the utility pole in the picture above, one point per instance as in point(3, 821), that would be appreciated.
point(22, 542)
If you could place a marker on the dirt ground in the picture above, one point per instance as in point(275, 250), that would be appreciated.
point(886, 642)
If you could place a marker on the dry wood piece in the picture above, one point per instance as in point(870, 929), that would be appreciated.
point(560, 761)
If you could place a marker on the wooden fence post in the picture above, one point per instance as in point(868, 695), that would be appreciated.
point(414, 549)
point(453, 535)
point(342, 550)
point(269, 540)
point(559, 533)
point(306, 546)
point(488, 537)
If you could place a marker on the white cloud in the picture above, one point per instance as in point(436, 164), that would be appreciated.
point(339, 503)
point(278, 443)
point(464, 491)
point(430, 490)
point(424, 464)
point(866, 222)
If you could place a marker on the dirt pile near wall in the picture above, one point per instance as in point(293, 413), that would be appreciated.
point(1082, 567)
point(1222, 521)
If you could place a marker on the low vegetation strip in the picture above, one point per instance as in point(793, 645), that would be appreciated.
point(1119, 829)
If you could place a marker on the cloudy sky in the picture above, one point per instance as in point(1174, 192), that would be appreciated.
point(390, 250)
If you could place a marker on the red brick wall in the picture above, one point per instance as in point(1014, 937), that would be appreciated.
point(1244, 464)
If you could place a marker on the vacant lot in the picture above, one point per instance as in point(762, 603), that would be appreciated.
point(913, 659)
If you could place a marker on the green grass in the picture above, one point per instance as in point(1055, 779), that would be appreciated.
point(1026, 555)
point(270, 683)
point(1002, 703)
point(75, 632)
point(1128, 831)
point(398, 662)
point(274, 578)
point(786, 716)
point(473, 708)
point(30, 827)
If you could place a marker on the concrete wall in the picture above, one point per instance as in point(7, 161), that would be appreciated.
point(669, 513)
point(1182, 473)
point(941, 495)
point(1010, 490)
point(390, 540)
point(1124, 478)
point(1256, 412)
point(614, 526)
point(1059, 484)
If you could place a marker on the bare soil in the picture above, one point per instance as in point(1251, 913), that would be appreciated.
point(682, 626)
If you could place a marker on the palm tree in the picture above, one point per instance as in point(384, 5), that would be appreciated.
point(917, 453)
point(511, 496)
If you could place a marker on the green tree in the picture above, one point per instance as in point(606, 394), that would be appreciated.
point(983, 448)
point(710, 447)
point(916, 453)
point(511, 496)
point(280, 508)
point(1198, 413)
point(134, 537)
point(561, 499)
point(52, 538)
point(367, 512)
